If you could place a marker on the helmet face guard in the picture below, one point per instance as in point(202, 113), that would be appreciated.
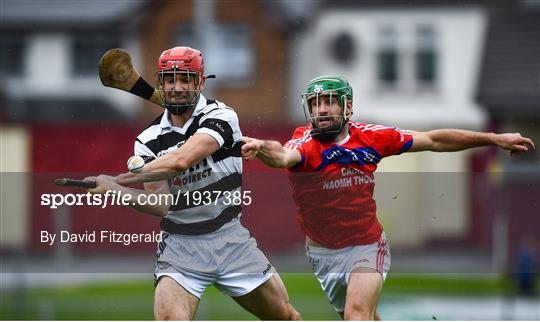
point(335, 88)
point(184, 65)
point(176, 101)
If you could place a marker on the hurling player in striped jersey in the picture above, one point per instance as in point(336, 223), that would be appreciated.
point(331, 163)
point(194, 147)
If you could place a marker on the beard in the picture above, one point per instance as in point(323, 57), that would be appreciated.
point(328, 133)
point(180, 103)
point(178, 109)
point(180, 106)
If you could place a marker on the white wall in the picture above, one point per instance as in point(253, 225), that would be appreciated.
point(460, 41)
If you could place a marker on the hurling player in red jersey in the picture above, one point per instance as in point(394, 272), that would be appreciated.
point(331, 162)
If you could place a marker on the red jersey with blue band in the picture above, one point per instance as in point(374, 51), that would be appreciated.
point(333, 185)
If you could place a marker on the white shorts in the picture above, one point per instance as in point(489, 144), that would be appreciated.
point(333, 267)
point(227, 258)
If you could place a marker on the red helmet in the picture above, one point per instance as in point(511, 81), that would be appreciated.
point(183, 58)
point(180, 60)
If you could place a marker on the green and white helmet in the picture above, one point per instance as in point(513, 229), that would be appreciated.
point(334, 86)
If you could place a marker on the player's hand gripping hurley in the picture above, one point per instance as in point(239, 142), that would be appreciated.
point(135, 164)
point(66, 182)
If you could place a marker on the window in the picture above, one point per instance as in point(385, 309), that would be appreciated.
point(387, 56)
point(88, 49)
point(342, 48)
point(231, 56)
point(12, 54)
point(407, 58)
point(426, 56)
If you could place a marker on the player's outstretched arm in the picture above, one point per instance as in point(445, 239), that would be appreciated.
point(449, 140)
point(196, 148)
point(272, 153)
point(106, 183)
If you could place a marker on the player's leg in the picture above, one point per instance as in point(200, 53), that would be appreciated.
point(172, 301)
point(377, 316)
point(330, 269)
point(363, 291)
point(269, 301)
point(249, 278)
point(370, 265)
point(338, 271)
point(178, 275)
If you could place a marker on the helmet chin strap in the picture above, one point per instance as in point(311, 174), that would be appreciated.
point(178, 110)
point(330, 133)
point(325, 136)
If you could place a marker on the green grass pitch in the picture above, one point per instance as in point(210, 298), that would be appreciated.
point(134, 300)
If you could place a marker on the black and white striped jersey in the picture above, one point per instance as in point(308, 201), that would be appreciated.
point(220, 174)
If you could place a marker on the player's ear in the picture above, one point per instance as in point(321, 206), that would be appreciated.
point(158, 80)
point(349, 110)
point(203, 80)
